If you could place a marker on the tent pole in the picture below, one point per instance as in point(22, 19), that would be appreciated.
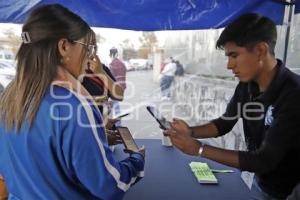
point(288, 30)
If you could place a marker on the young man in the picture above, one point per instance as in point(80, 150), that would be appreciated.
point(267, 99)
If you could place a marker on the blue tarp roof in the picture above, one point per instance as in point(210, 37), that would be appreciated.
point(150, 15)
point(297, 7)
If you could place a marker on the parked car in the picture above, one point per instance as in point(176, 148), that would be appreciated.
point(139, 64)
point(7, 56)
point(7, 74)
point(128, 66)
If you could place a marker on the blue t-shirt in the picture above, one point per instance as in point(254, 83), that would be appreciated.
point(64, 154)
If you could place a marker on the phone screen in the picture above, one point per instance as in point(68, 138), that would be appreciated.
point(163, 122)
point(119, 116)
point(127, 139)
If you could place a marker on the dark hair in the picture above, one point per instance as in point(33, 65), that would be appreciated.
point(113, 52)
point(248, 30)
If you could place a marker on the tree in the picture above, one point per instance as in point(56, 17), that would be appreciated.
point(148, 42)
point(99, 38)
point(13, 40)
point(127, 44)
point(128, 49)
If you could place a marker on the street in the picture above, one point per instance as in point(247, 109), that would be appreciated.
point(140, 92)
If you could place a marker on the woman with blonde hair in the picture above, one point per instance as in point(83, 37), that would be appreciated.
point(52, 142)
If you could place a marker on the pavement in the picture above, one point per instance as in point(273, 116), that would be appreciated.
point(142, 91)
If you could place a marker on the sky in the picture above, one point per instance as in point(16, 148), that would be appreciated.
point(113, 36)
point(6, 26)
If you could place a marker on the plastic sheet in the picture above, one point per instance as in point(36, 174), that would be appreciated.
point(150, 15)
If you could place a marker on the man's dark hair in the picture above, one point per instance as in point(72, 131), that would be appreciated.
point(113, 52)
point(248, 30)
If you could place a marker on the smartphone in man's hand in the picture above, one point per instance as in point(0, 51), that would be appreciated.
point(163, 122)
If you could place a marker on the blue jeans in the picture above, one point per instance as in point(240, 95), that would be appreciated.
point(115, 111)
point(165, 85)
point(258, 194)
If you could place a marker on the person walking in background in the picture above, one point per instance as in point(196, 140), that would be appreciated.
point(118, 70)
point(52, 137)
point(167, 78)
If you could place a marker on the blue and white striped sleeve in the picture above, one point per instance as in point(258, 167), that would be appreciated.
point(92, 161)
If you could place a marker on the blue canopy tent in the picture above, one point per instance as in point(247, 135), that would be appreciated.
point(150, 15)
point(154, 15)
point(297, 6)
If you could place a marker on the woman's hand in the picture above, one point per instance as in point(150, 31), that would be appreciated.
point(141, 151)
point(113, 137)
point(95, 65)
point(110, 123)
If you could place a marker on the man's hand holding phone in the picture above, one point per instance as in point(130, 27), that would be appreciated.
point(181, 126)
point(164, 124)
